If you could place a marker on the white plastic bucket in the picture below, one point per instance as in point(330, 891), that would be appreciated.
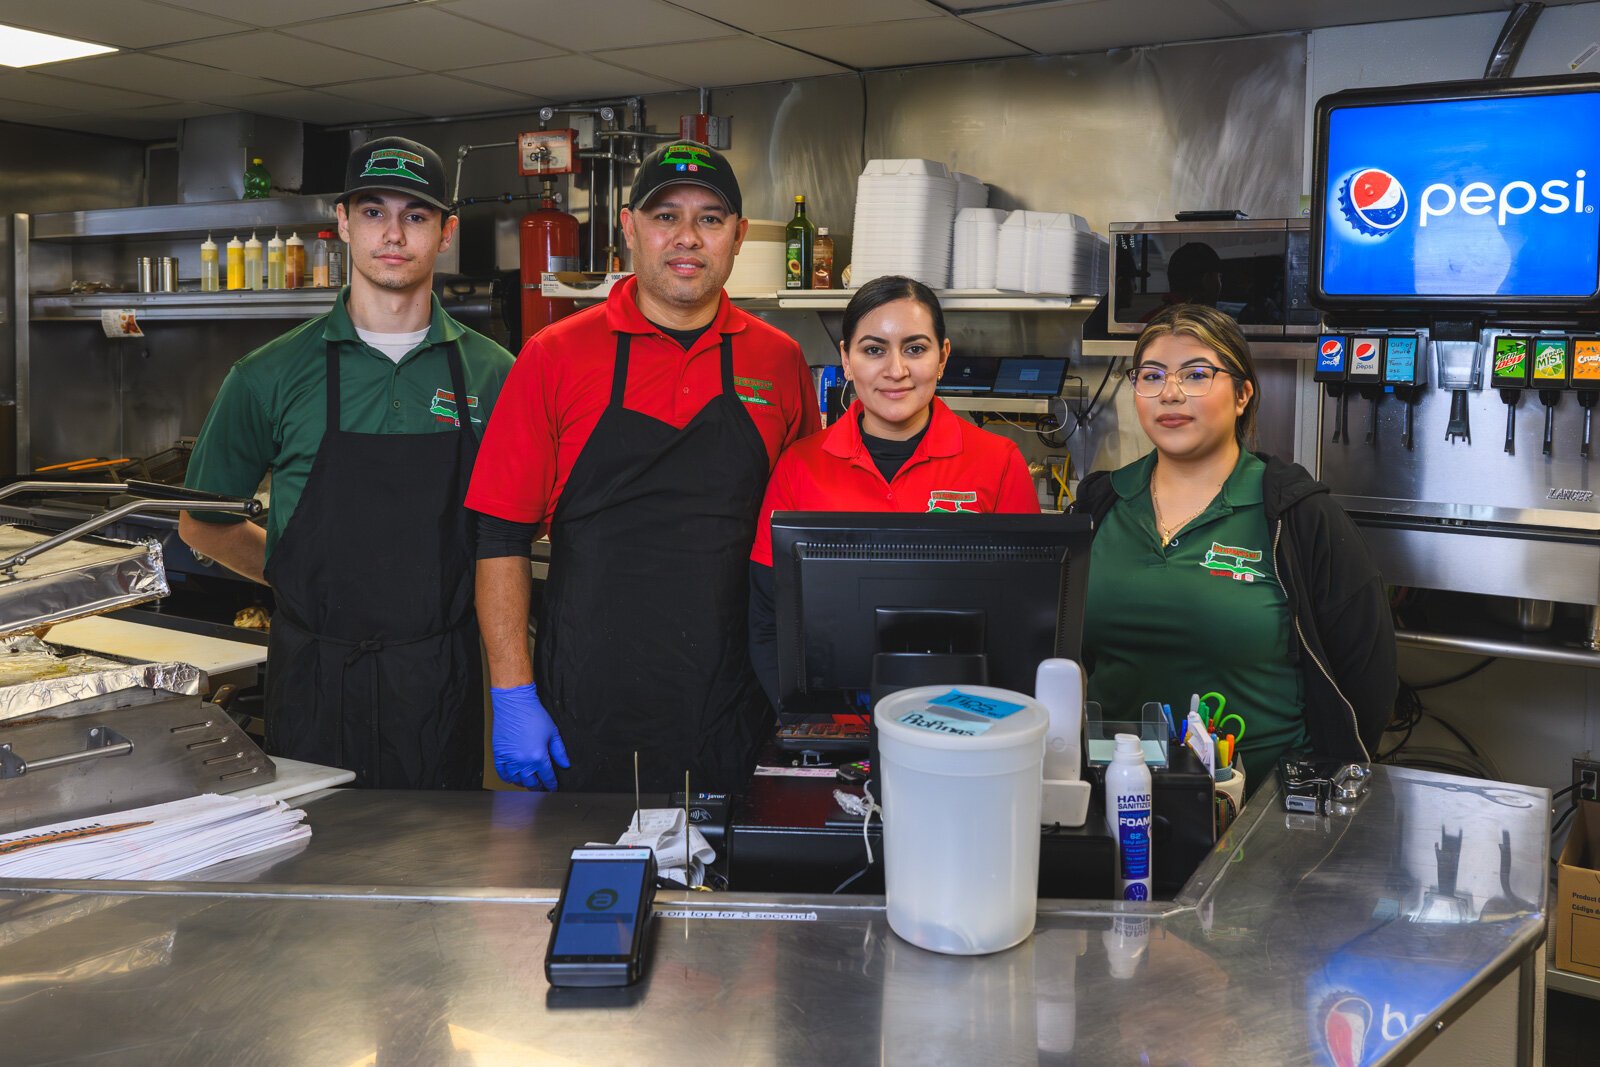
point(961, 793)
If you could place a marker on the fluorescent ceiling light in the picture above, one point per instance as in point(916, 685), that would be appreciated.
point(24, 48)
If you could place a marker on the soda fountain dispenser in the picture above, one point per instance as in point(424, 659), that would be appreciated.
point(1366, 368)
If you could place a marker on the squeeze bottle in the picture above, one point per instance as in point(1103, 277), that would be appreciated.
point(235, 263)
point(295, 262)
point(210, 268)
point(275, 262)
point(252, 263)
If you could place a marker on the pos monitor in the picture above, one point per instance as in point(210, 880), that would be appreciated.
point(1470, 196)
point(880, 602)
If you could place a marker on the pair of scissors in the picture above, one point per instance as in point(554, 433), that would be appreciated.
point(1216, 719)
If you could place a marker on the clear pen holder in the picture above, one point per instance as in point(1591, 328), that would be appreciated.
point(1101, 733)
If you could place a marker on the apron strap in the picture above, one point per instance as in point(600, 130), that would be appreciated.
point(727, 367)
point(619, 370)
point(458, 382)
point(331, 355)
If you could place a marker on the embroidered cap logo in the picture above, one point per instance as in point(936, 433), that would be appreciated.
point(394, 163)
point(687, 157)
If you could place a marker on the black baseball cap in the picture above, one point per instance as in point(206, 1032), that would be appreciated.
point(398, 165)
point(686, 163)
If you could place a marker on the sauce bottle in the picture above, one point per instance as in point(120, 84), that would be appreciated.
point(235, 263)
point(275, 262)
point(295, 263)
point(822, 260)
point(210, 268)
point(252, 263)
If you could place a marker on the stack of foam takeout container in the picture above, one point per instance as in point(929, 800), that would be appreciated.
point(904, 212)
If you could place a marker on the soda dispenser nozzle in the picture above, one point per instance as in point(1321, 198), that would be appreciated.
point(1365, 373)
point(1332, 367)
point(1551, 367)
point(1585, 378)
point(1405, 371)
point(1460, 365)
point(1509, 376)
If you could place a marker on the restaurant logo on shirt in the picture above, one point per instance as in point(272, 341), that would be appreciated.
point(1225, 560)
point(750, 389)
point(950, 501)
point(443, 407)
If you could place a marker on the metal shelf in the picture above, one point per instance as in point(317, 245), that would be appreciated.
point(949, 300)
point(1563, 655)
point(177, 220)
point(236, 304)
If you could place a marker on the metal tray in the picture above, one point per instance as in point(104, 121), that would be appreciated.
point(35, 677)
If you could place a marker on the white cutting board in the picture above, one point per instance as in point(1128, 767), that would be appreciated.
point(156, 644)
point(296, 779)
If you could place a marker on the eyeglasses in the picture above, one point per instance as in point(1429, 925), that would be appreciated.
point(1149, 380)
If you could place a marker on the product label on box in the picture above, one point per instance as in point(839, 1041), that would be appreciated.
point(933, 722)
point(988, 707)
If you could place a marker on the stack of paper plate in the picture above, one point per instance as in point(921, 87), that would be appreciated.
point(904, 212)
point(976, 248)
point(758, 269)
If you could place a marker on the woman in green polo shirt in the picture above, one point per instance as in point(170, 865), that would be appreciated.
point(1219, 570)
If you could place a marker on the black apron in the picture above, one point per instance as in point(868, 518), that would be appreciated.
point(374, 664)
point(644, 637)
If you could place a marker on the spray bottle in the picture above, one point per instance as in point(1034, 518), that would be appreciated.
point(1128, 817)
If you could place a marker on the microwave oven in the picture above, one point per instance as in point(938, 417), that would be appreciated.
point(1257, 270)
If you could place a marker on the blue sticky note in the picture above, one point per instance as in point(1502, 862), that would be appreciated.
point(988, 707)
point(943, 724)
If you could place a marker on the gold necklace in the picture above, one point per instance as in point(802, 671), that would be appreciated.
point(1165, 531)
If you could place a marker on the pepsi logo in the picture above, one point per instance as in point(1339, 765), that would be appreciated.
point(1373, 202)
point(1330, 354)
point(1366, 351)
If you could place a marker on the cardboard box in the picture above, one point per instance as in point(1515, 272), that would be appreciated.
point(1578, 895)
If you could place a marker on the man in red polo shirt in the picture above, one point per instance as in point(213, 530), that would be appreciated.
point(640, 433)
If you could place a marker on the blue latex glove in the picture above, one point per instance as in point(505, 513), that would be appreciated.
point(525, 738)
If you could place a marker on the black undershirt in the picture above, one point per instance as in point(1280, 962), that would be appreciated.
point(889, 456)
point(501, 537)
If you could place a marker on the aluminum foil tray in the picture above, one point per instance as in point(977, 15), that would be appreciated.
point(89, 576)
point(34, 677)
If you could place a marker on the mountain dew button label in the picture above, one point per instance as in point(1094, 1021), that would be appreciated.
point(1586, 360)
point(1550, 360)
point(1511, 358)
point(989, 707)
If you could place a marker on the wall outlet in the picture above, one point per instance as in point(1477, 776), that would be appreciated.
point(1586, 777)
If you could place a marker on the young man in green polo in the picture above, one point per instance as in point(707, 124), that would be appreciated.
point(368, 418)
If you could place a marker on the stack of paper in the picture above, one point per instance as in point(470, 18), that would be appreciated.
point(155, 843)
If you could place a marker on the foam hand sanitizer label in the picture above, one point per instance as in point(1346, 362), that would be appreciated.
point(1133, 845)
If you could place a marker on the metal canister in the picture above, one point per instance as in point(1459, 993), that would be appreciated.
point(168, 273)
point(147, 274)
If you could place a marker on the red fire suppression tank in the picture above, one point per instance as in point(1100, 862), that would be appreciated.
point(549, 242)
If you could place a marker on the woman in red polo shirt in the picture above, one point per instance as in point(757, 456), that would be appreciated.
point(897, 447)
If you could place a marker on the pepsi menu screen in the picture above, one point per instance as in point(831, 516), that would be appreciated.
point(1461, 195)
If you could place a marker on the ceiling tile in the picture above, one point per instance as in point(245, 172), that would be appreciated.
point(282, 12)
point(320, 109)
point(567, 78)
point(729, 61)
point(1104, 24)
point(124, 23)
point(1271, 15)
point(184, 110)
point(112, 124)
point(157, 74)
point(75, 96)
point(17, 111)
point(267, 54)
point(432, 94)
point(900, 44)
point(763, 16)
point(590, 25)
point(426, 38)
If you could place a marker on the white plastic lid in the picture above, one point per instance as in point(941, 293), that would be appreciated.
point(208, 245)
point(822, 231)
point(1010, 719)
point(252, 242)
point(235, 243)
point(294, 239)
point(276, 240)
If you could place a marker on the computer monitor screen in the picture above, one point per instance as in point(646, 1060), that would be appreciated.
point(968, 375)
point(851, 585)
point(1458, 194)
point(1030, 376)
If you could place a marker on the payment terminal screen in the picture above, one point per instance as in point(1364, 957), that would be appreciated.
point(599, 908)
point(1030, 377)
point(1492, 197)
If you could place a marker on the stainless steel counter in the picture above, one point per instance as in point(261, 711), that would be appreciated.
point(413, 926)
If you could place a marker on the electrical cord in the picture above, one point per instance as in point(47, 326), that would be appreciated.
point(1094, 401)
point(1454, 678)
